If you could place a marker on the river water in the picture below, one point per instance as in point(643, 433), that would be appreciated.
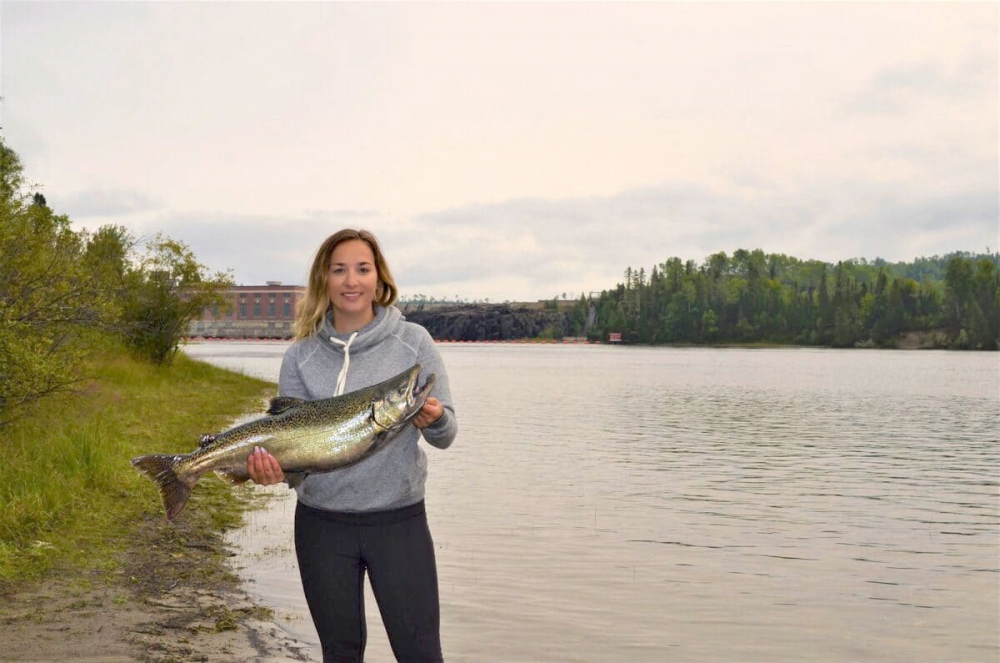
point(651, 504)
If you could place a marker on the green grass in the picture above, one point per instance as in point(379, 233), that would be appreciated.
point(68, 494)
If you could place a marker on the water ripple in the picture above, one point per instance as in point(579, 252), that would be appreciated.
point(715, 504)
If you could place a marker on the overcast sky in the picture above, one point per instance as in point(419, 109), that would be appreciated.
point(512, 151)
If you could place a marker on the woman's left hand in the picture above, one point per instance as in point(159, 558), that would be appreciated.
point(429, 413)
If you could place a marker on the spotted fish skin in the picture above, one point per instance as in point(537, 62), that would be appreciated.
point(304, 436)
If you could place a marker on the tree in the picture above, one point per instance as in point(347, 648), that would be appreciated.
point(11, 175)
point(50, 303)
point(167, 290)
point(755, 296)
point(709, 326)
point(959, 284)
point(825, 311)
point(578, 316)
point(62, 293)
point(985, 305)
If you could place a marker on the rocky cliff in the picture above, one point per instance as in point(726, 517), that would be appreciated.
point(486, 322)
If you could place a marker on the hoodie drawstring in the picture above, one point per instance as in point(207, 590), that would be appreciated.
point(342, 378)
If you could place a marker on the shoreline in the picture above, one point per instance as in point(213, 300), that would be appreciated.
point(91, 568)
point(904, 345)
point(172, 596)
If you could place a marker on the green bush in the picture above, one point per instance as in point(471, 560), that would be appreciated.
point(51, 302)
point(552, 332)
point(165, 291)
point(63, 293)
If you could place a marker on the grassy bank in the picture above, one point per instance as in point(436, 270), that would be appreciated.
point(70, 498)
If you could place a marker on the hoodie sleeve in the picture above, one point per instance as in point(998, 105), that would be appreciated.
point(290, 384)
point(443, 431)
point(289, 379)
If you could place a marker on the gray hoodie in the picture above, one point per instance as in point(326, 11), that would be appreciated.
point(388, 345)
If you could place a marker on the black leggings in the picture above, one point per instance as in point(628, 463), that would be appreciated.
point(334, 549)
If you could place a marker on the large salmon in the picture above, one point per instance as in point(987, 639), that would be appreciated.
point(305, 436)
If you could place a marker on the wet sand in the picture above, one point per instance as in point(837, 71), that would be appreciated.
point(173, 598)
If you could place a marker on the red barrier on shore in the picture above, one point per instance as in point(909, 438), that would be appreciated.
point(518, 341)
point(242, 339)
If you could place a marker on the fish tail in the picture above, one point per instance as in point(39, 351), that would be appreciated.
point(160, 468)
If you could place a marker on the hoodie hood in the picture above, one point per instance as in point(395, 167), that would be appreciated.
point(387, 323)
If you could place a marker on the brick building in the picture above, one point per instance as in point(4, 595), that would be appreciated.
point(253, 311)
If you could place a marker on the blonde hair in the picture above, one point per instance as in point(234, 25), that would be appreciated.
point(313, 308)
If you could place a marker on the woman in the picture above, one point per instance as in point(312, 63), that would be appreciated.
point(370, 515)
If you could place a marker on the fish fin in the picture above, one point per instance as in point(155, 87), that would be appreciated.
point(282, 403)
point(234, 475)
point(206, 440)
point(293, 479)
point(160, 468)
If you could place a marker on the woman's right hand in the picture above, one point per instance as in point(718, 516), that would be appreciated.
point(264, 468)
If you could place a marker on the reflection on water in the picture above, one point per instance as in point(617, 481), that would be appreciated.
point(645, 504)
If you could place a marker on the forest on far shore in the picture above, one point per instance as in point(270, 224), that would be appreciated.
point(756, 297)
point(753, 296)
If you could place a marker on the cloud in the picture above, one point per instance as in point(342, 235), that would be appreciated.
point(533, 248)
point(544, 247)
point(257, 248)
point(905, 224)
point(341, 214)
point(100, 202)
point(31, 145)
point(900, 88)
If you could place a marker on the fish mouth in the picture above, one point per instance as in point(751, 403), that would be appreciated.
point(420, 392)
point(416, 393)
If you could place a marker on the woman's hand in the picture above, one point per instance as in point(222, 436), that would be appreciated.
point(429, 413)
point(264, 468)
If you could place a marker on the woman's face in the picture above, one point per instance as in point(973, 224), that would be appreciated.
point(351, 279)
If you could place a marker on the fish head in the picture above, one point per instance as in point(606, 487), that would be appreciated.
point(401, 398)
